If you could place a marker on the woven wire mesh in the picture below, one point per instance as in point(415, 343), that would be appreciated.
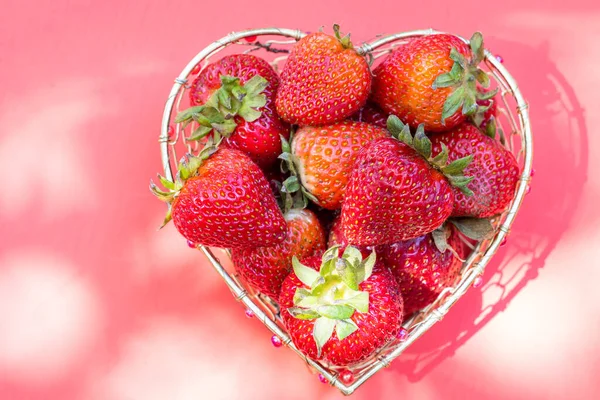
point(273, 44)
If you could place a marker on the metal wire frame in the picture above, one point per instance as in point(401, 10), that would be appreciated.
point(519, 141)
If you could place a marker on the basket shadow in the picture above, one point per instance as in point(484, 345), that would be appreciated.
point(557, 118)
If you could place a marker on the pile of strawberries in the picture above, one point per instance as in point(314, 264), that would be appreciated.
point(347, 195)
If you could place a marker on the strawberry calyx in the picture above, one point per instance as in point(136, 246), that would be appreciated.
point(463, 77)
point(334, 294)
point(230, 100)
point(474, 228)
point(344, 40)
point(293, 193)
point(187, 168)
point(421, 144)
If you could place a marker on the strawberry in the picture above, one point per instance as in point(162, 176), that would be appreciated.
point(356, 298)
point(323, 81)
point(222, 199)
point(371, 114)
point(397, 190)
point(494, 169)
point(323, 157)
point(265, 268)
point(337, 238)
point(421, 269)
point(241, 86)
point(431, 80)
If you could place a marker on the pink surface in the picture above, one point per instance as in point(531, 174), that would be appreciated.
point(95, 304)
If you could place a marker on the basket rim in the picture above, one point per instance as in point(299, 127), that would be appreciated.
point(467, 278)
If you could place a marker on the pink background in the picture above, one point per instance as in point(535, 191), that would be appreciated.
point(95, 304)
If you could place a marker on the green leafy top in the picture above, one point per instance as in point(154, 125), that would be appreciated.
point(463, 77)
point(334, 293)
point(229, 100)
point(188, 168)
point(293, 193)
point(421, 143)
point(345, 40)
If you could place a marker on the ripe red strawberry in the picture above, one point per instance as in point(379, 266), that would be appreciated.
point(431, 80)
point(494, 169)
point(397, 190)
point(323, 157)
point(356, 299)
point(371, 114)
point(323, 81)
point(265, 268)
point(242, 86)
point(222, 199)
point(337, 238)
point(421, 269)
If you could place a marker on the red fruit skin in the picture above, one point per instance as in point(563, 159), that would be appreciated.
point(259, 139)
point(393, 194)
point(265, 268)
point(322, 82)
point(229, 204)
point(371, 114)
point(375, 328)
point(402, 83)
point(495, 171)
point(337, 238)
point(421, 270)
point(326, 156)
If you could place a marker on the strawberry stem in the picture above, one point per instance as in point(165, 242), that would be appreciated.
point(463, 77)
point(333, 295)
point(422, 145)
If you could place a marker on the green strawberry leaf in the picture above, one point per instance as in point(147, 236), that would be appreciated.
point(345, 328)
point(322, 331)
point(353, 256)
point(328, 260)
point(470, 104)
point(457, 167)
point(367, 267)
point(477, 49)
point(399, 130)
point(458, 58)
point(355, 299)
point(421, 142)
point(348, 275)
point(440, 238)
point(200, 132)
point(303, 313)
point(490, 128)
point(453, 103)
point(255, 86)
point(461, 182)
point(441, 159)
point(482, 78)
point(339, 311)
point(306, 275)
point(166, 183)
point(448, 79)
point(474, 228)
point(486, 95)
point(291, 184)
point(188, 114)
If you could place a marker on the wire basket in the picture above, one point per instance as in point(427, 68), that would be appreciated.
point(274, 44)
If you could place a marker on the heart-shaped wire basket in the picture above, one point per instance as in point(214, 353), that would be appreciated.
point(274, 44)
